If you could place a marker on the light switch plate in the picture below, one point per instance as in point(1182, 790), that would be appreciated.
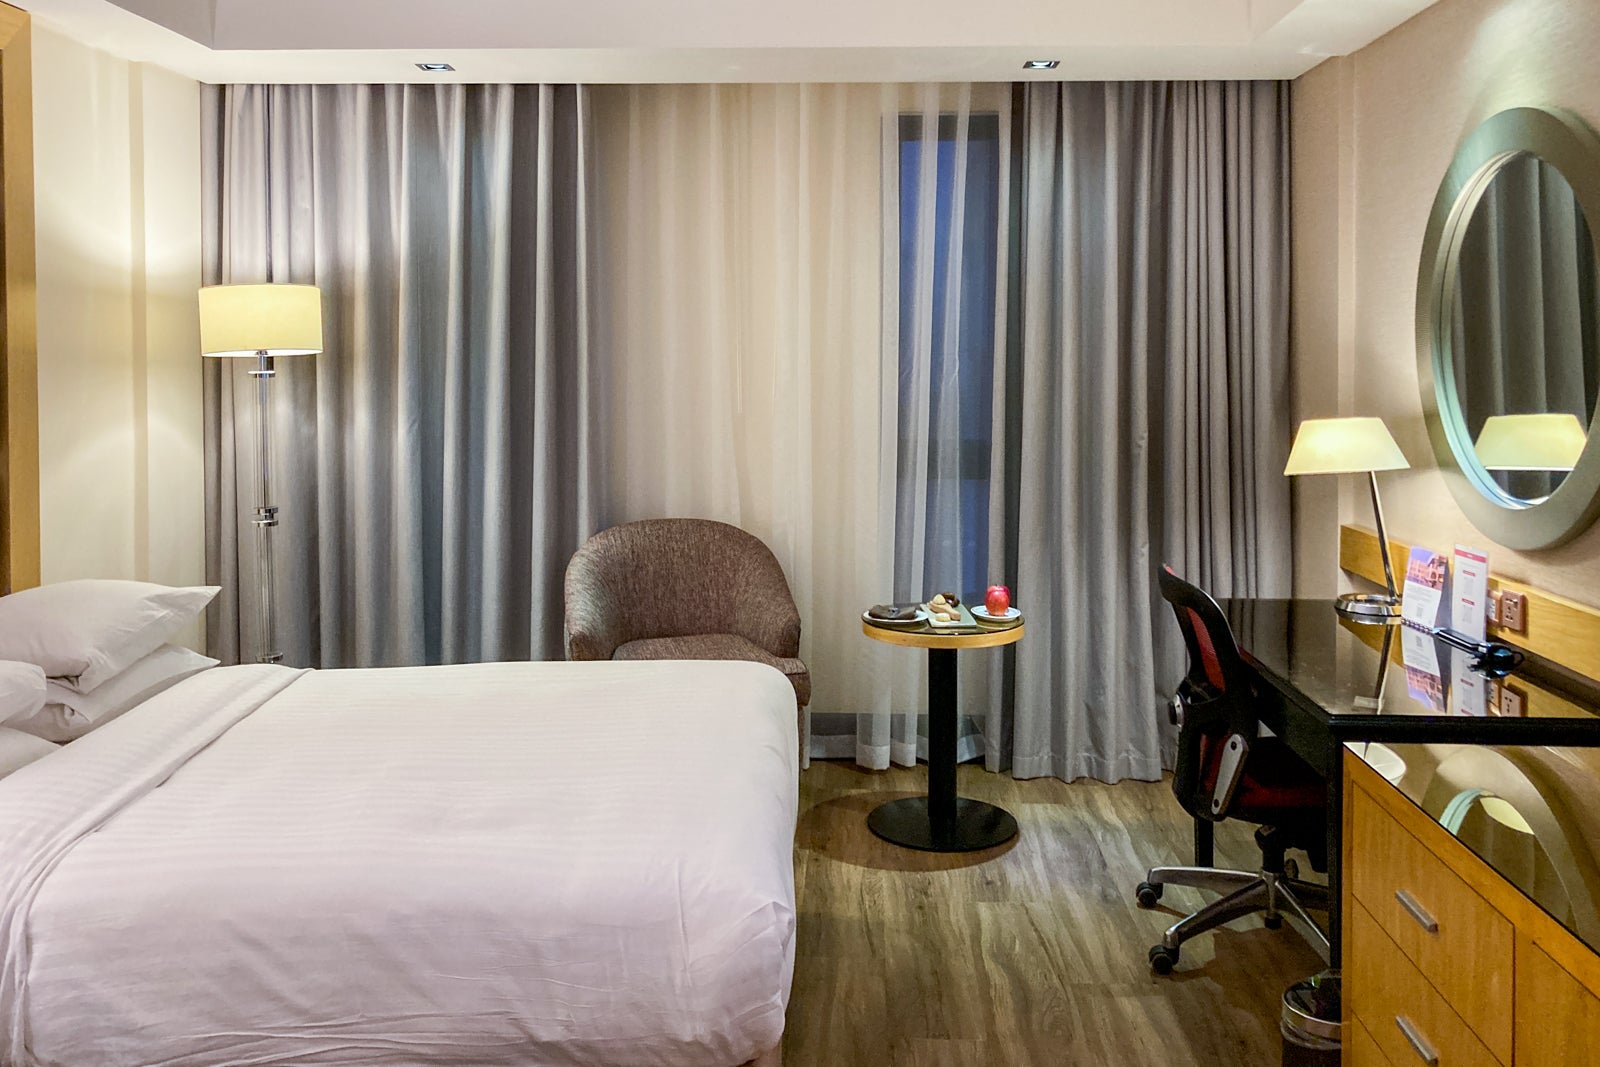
point(1514, 611)
point(1491, 610)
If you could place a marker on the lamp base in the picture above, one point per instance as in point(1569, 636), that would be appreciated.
point(1368, 607)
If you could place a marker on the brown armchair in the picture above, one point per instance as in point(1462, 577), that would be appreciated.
point(683, 589)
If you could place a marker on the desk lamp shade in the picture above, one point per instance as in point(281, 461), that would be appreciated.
point(249, 320)
point(1545, 442)
point(1358, 445)
point(1344, 446)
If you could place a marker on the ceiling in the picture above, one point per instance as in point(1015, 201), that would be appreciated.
point(724, 40)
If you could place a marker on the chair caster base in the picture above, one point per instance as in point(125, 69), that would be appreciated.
point(1163, 959)
point(1273, 922)
point(1148, 894)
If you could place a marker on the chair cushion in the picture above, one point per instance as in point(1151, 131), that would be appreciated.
point(1278, 785)
point(718, 646)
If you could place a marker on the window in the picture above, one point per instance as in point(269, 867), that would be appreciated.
point(948, 273)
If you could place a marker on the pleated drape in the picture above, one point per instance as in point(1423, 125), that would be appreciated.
point(437, 465)
point(1154, 397)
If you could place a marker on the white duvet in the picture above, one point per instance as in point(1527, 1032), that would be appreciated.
point(528, 863)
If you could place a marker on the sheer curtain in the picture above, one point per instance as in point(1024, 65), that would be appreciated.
point(438, 464)
point(947, 244)
point(742, 324)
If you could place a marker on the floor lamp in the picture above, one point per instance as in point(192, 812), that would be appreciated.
point(261, 322)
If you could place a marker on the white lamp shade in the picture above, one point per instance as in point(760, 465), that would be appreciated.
point(245, 320)
point(1344, 446)
point(1546, 442)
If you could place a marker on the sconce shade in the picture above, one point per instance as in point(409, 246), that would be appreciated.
point(246, 320)
point(1544, 442)
point(1344, 446)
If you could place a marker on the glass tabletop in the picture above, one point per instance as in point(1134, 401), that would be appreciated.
point(1346, 668)
point(1532, 813)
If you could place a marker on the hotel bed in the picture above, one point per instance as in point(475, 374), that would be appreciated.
point(516, 863)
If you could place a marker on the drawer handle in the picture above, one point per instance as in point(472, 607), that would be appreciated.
point(1417, 911)
point(1419, 1044)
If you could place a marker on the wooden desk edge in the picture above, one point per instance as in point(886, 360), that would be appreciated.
point(983, 639)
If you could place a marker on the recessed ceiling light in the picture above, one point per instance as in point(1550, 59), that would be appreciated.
point(435, 68)
point(1041, 64)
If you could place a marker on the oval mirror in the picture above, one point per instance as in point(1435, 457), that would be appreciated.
point(1508, 318)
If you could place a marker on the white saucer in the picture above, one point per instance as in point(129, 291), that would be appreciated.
point(897, 624)
point(1011, 615)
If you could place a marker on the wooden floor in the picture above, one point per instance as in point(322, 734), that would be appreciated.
point(1033, 953)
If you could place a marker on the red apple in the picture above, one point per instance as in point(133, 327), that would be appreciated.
point(997, 601)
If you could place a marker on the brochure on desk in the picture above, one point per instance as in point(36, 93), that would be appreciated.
point(1427, 604)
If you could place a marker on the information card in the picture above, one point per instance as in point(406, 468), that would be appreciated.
point(1470, 582)
point(1422, 602)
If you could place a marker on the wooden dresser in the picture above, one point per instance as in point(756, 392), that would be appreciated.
point(1446, 962)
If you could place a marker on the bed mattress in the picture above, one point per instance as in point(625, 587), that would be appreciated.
point(522, 863)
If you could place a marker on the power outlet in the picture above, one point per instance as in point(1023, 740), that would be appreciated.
point(1513, 702)
point(1514, 611)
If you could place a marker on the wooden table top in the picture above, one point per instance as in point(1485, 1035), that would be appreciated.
point(925, 639)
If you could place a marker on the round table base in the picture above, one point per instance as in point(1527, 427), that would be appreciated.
point(977, 826)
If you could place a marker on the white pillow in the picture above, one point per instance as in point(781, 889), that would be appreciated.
point(18, 749)
point(68, 714)
point(22, 689)
point(87, 631)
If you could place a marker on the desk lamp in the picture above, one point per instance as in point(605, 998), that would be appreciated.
point(259, 322)
point(1353, 446)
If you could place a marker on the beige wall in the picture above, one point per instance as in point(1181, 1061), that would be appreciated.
point(1374, 133)
point(117, 179)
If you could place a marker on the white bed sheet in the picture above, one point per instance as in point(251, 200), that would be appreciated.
point(528, 863)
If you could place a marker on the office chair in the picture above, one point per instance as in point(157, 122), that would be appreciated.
point(1225, 770)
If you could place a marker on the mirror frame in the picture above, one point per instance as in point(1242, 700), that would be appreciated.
point(1565, 142)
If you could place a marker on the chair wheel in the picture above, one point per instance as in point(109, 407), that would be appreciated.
point(1273, 922)
point(1148, 894)
point(1163, 959)
point(1291, 870)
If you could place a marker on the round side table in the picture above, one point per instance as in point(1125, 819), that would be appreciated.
point(942, 821)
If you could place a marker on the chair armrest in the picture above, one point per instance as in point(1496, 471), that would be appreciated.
point(1230, 772)
point(593, 618)
point(764, 612)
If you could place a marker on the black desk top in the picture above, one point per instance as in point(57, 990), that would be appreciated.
point(1336, 671)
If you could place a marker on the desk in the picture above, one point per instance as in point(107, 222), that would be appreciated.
point(1326, 681)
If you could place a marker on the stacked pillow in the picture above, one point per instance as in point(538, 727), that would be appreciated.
point(99, 647)
point(22, 693)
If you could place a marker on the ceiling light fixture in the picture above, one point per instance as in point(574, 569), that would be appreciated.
point(1041, 64)
point(435, 68)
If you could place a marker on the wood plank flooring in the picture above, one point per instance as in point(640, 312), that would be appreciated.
point(1033, 953)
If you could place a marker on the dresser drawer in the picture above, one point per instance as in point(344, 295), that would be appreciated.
point(1407, 1018)
point(1453, 936)
point(1360, 1047)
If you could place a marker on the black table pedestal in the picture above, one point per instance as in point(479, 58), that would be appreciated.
point(942, 821)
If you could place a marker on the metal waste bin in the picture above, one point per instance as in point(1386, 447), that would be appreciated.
point(1310, 1023)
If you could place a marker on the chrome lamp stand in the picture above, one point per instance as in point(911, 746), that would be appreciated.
point(1374, 607)
point(266, 512)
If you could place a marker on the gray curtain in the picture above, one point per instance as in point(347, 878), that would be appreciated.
point(437, 465)
point(1151, 414)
